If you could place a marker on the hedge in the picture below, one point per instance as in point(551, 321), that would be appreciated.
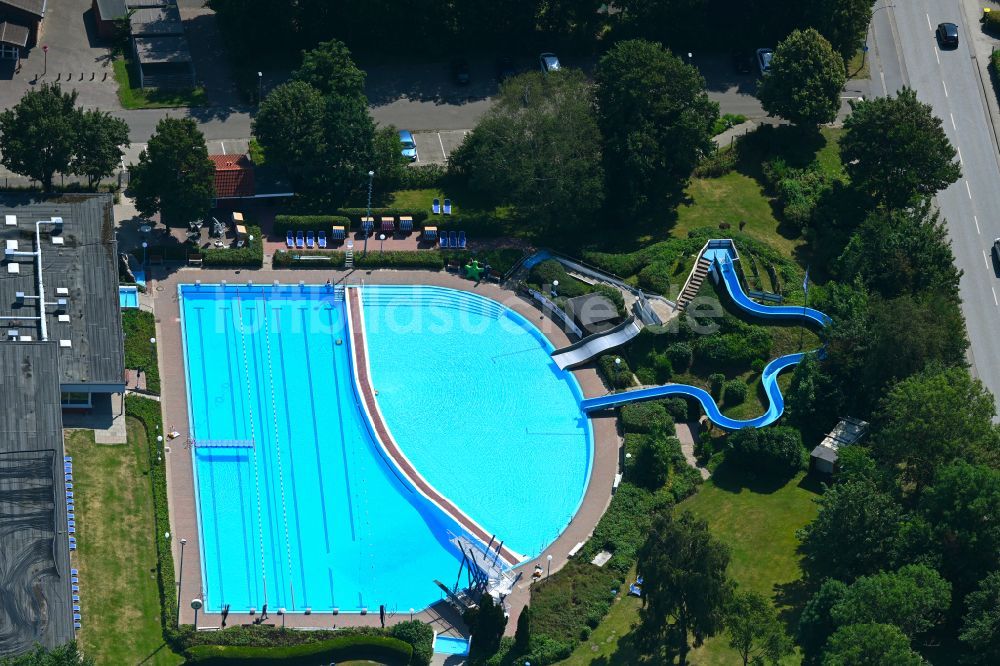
point(139, 326)
point(382, 648)
point(251, 255)
point(293, 223)
point(735, 392)
point(418, 215)
point(618, 375)
point(991, 23)
point(646, 417)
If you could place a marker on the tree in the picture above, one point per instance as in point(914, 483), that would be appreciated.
point(816, 624)
point(805, 80)
point(654, 459)
point(100, 138)
point(539, 149)
point(657, 122)
point(290, 125)
point(776, 450)
point(843, 23)
point(64, 655)
point(811, 402)
point(330, 69)
point(902, 251)
point(914, 598)
point(686, 589)
point(522, 637)
point(486, 622)
point(755, 630)
point(38, 134)
point(854, 534)
point(931, 418)
point(870, 645)
point(174, 175)
point(981, 626)
point(895, 150)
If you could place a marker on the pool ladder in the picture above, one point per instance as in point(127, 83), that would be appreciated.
point(338, 293)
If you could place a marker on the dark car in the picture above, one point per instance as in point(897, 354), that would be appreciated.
point(460, 71)
point(505, 69)
point(996, 249)
point(947, 35)
point(742, 61)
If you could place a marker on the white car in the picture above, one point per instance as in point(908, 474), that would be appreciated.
point(549, 62)
point(764, 60)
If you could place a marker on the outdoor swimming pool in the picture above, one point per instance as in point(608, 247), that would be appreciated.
point(311, 515)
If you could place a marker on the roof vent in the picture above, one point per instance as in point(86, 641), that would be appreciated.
point(64, 318)
point(58, 240)
point(25, 338)
point(65, 343)
point(62, 291)
point(12, 333)
point(13, 268)
point(57, 223)
point(19, 296)
point(61, 304)
point(10, 220)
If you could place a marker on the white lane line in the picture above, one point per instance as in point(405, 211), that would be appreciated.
point(968, 189)
point(885, 91)
point(995, 302)
point(441, 143)
point(986, 260)
point(223, 144)
point(953, 125)
point(976, 220)
point(960, 161)
point(929, 27)
point(937, 54)
point(945, 88)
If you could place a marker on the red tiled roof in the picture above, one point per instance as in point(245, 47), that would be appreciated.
point(233, 176)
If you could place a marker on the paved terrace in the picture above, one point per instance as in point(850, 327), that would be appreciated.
point(163, 281)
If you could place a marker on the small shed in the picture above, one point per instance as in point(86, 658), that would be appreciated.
point(847, 432)
point(13, 39)
point(106, 12)
point(164, 61)
point(234, 176)
point(594, 313)
point(24, 13)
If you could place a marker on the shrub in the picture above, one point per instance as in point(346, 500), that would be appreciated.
point(717, 381)
point(680, 354)
point(613, 294)
point(293, 223)
point(776, 450)
point(663, 368)
point(735, 349)
point(420, 636)
point(424, 177)
point(735, 392)
point(576, 596)
point(618, 375)
point(758, 365)
point(652, 458)
point(655, 277)
point(318, 259)
point(623, 527)
point(251, 255)
point(400, 259)
point(500, 260)
point(717, 163)
point(991, 24)
point(646, 417)
point(678, 409)
point(382, 648)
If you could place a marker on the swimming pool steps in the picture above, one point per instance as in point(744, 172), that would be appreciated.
point(444, 298)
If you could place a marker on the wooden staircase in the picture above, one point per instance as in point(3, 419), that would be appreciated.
point(694, 282)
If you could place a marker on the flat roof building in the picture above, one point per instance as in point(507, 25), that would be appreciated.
point(847, 432)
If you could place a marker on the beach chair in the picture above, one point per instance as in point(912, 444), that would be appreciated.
point(71, 523)
point(635, 590)
point(300, 240)
point(69, 486)
point(67, 458)
point(69, 494)
point(338, 234)
point(69, 477)
point(430, 233)
point(76, 608)
point(71, 530)
point(310, 239)
point(75, 588)
point(76, 617)
point(76, 597)
point(77, 625)
point(70, 516)
point(461, 240)
point(322, 239)
point(453, 240)
point(289, 239)
point(436, 206)
point(447, 206)
point(388, 225)
point(405, 224)
point(367, 225)
point(443, 241)
point(74, 572)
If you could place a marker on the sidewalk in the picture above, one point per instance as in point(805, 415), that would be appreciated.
point(982, 46)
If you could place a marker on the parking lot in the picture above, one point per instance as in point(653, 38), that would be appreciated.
point(435, 147)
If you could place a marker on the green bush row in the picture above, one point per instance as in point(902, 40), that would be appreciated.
point(991, 24)
point(617, 375)
point(425, 177)
point(647, 418)
point(332, 260)
point(418, 215)
point(285, 223)
point(139, 326)
point(251, 255)
point(382, 648)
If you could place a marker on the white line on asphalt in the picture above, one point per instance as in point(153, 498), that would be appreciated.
point(968, 189)
point(953, 126)
point(945, 89)
point(986, 259)
point(441, 143)
point(995, 302)
point(223, 144)
point(937, 54)
point(929, 22)
point(960, 161)
point(885, 91)
point(976, 220)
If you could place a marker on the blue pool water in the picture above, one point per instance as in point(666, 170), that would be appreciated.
point(128, 297)
point(451, 645)
point(474, 400)
point(311, 511)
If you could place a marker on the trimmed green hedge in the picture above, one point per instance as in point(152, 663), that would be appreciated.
point(426, 259)
point(382, 648)
point(357, 213)
point(139, 326)
point(293, 223)
point(250, 255)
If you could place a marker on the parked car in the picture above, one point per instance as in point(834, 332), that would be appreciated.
point(409, 147)
point(505, 68)
point(549, 62)
point(996, 249)
point(764, 60)
point(460, 71)
point(947, 35)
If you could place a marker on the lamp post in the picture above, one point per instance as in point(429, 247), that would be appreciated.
point(144, 246)
point(381, 243)
point(548, 571)
point(180, 579)
point(411, 615)
point(196, 604)
point(45, 55)
point(260, 88)
point(371, 176)
point(281, 612)
point(555, 284)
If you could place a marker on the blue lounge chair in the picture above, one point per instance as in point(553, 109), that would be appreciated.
point(69, 486)
point(338, 234)
point(67, 458)
point(289, 239)
point(76, 608)
point(74, 572)
point(447, 206)
point(461, 240)
point(70, 516)
point(71, 523)
point(635, 590)
point(310, 239)
point(368, 226)
point(405, 224)
point(638, 580)
point(443, 241)
point(76, 617)
point(72, 546)
point(300, 240)
point(74, 579)
point(69, 478)
point(77, 625)
point(436, 206)
point(69, 493)
point(322, 239)
point(76, 597)
point(453, 240)
point(71, 530)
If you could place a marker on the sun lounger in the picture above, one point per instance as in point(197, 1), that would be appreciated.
point(67, 458)
point(72, 546)
point(367, 225)
point(443, 241)
point(461, 240)
point(69, 486)
point(289, 239)
point(71, 523)
point(635, 590)
point(76, 608)
point(310, 239)
point(338, 234)
point(69, 493)
point(322, 239)
point(77, 625)
point(76, 617)
point(447, 206)
point(70, 516)
point(72, 530)
point(76, 597)
point(75, 588)
point(388, 225)
point(74, 572)
point(453, 240)
point(638, 580)
point(430, 233)
point(300, 239)
point(406, 224)
point(436, 206)
point(74, 579)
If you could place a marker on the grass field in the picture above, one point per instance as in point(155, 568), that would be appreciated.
point(132, 96)
point(758, 522)
point(116, 555)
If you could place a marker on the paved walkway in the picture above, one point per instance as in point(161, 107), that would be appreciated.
point(687, 433)
point(163, 281)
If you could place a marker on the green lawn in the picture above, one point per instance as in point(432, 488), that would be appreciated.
point(140, 327)
point(117, 554)
point(758, 523)
point(134, 97)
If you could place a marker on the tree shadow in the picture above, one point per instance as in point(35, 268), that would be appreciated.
point(732, 478)
point(791, 598)
point(796, 146)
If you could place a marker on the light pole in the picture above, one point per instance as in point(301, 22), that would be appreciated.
point(180, 579)
point(555, 285)
point(371, 176)
point(144, 246)
point(381, 243)
point(196, 604)
point(281, 612)
point(45, 55)
point(260, 88)
point(411, 615)
point(548, 571)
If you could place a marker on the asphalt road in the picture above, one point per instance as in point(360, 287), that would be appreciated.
point(949, 82)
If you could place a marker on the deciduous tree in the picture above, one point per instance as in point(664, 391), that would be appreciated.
point(755, 631)
point(842, 22)
point(38, 134)
point(870, 645)
point(981, 626)
point(290, 125)
point(805, 80)
point(100, 138)
point(914, 598)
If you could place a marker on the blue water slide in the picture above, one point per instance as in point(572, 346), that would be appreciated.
point(722, 261)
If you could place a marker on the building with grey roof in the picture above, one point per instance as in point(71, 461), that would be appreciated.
point(59, 284)
point(35, 595)
point(848, 431)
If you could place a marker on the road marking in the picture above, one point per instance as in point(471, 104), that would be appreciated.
point(953, 126)
point(960, 161)
point(937, 54)
point(995, 302)
point(441, 143)
point(945, 89)
point(885, 90)
point(968, 189)
point(929, 27)
point(976, 220)
point(986, 259)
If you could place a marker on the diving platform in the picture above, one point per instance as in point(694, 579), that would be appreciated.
point(485, 574)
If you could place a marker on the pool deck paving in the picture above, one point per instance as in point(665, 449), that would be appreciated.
point(163, 282)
